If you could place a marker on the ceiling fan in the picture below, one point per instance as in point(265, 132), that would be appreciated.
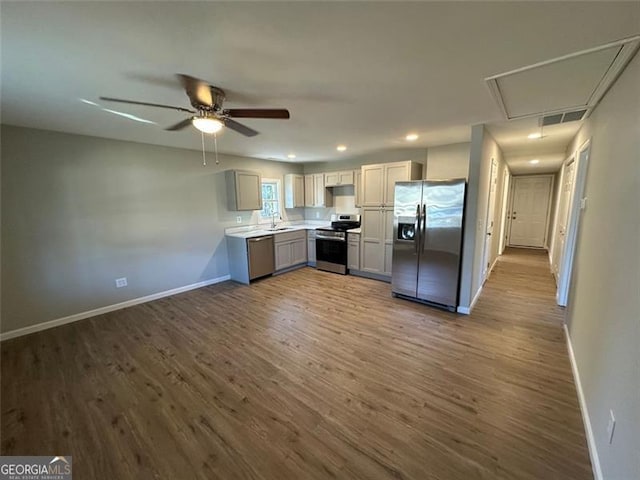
point(209, 116)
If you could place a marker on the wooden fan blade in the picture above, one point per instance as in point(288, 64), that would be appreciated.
point(240, 128)
point(180, 125)
point(198, 91)
point(279, 113)
point(147, 104)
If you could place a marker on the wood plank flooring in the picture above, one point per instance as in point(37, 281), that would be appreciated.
point(307, 375)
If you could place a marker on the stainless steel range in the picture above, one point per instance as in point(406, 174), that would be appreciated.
point(331, 243)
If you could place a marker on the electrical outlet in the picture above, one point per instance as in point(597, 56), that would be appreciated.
point(121, 282)
point(238, 219)
point(611, 426)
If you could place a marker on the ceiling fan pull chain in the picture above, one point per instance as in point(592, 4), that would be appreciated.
point(204, 158)
point(215, 147)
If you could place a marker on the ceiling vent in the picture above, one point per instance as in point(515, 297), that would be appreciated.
point(557, 118)
point(563, 89)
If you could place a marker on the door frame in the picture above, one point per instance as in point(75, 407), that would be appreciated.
point(506, 185)
point(554, 252)
point(485, 273)
point(512, 195)
point(573, 225)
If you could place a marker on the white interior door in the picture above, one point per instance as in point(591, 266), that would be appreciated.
point(505, 201)
point(491, 209)
point(576, 204)
point(563, 214)
point(530, 210)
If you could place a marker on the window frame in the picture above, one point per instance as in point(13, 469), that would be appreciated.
point(278, 201)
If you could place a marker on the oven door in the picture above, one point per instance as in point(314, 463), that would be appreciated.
point(331, 255)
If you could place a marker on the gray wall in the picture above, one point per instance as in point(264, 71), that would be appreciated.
point(78, 212)
point(483, 148)
point(448, 161)
point(604, 301)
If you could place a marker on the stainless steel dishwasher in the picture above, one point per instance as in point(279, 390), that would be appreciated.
point(261, 256)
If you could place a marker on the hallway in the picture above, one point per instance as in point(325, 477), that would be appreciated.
point(306, 375)
point(518, 307)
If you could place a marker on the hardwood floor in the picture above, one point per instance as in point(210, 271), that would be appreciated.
point(308, 375)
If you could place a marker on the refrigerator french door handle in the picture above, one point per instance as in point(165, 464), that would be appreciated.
point(416, 229)
point(423, 233)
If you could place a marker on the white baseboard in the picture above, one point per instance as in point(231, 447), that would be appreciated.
point(491, 267)
point(591, 442)
point(467, 310)
point(109, 308)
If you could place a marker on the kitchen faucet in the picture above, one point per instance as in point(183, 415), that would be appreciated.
point(273, 220)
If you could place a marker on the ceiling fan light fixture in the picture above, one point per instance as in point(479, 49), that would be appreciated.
point(207, 124)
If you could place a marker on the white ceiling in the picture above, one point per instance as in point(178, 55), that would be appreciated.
point(518, 149)
point(360, 73)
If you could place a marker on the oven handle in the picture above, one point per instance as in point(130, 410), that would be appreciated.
point(331, 239)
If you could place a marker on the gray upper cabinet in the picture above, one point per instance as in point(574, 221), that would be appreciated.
point(378, 181)
point(309, 191)
point(315, 193)
point(336, 179)
point(244, 190)
point(372, 188)
point(294, 191)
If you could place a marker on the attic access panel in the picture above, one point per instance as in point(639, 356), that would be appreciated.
point(572, 82)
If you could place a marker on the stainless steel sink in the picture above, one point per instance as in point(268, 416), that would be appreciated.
point(278, 229)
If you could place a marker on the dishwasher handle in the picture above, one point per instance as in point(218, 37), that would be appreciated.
point(259, 239)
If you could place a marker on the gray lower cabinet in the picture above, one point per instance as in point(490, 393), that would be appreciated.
point(311, 247)
point(377, 240)
point(290, 249)
point(353, 251)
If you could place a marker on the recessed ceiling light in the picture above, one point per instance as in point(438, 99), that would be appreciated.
point(291, 155)
point(341, 148)
point(534, 161)
point(411, 137)
point(533, 136)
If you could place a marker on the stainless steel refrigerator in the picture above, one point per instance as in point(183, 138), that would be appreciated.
point(427, 241)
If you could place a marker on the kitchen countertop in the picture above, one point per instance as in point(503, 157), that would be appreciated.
point(252, 231)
